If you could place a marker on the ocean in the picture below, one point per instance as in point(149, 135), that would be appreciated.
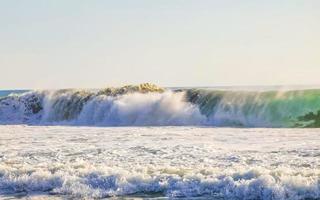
point(151, 143)
point(4, 93)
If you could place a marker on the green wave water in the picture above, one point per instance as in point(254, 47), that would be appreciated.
point(299, 108)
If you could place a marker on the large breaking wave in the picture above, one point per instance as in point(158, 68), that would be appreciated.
point(150, 105)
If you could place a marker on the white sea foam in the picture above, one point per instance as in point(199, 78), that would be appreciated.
point(140, 109)
point(83, 162)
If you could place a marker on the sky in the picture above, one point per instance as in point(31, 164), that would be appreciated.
point(96, 43)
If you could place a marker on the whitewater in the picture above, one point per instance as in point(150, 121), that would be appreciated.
point(61, 162)
point(147, 142)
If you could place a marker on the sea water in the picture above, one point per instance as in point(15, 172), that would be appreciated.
point(188, 162)
point(146, 142)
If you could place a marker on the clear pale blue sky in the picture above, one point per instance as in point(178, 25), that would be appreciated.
point(96, 43)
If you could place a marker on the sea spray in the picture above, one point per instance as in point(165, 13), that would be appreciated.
point(139, 109)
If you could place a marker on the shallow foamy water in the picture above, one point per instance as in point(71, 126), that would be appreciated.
point(159, 162)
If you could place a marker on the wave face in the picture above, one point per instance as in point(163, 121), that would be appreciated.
point(149, 105)
point(258, 109)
